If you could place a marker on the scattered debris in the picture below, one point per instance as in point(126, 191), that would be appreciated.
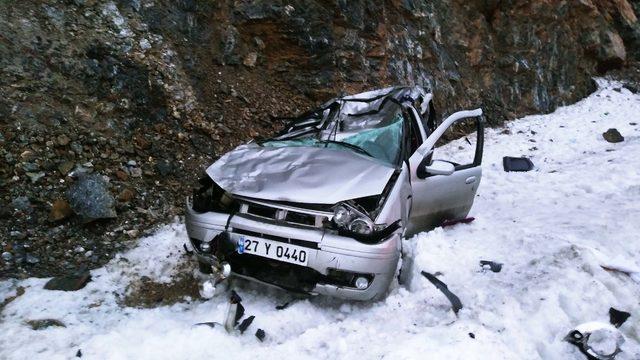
point(235, 311)
point(613, 136)
point(283, 306)
point(245, 324)
point(260, 334)
point(186, 250)
point(79, 353)
point(597, 341)
point(496, 267)
point(210, 324)
point(472, 335)
point(45, 323)
point(69, 282)
point(618, 317)
point(447, 223)
point(521, 164)
point(456, 304)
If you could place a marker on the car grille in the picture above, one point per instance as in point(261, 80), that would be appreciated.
point(288, 276)
point(298, 217)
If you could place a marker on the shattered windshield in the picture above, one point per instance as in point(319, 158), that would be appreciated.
point(381, 141)
point(373, 129)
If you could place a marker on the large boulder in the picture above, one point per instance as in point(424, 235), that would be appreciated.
point(90, 198)
point(73, 282)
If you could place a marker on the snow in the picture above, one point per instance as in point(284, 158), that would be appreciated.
point(553, 229)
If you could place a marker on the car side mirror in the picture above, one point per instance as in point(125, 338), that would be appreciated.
point(439, 167)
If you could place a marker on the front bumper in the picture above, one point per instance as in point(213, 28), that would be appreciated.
point(329, 254)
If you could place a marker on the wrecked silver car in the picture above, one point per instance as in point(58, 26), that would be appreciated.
point(322, 207)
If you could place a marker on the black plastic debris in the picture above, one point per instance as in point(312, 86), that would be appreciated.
point(516, 164)
point(576, 338)
point(245, 324)
point(283, 306)
point(472, 335)
point(492, 265)
point(239, 313)
point(235, 311)
point(456, 304)
point(235, 298)
point(79, 353)
point(581, 341)
point(260, 334)
point(457, 221)
point(618, 317)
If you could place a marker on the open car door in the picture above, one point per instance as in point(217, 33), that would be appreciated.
point(444, 184)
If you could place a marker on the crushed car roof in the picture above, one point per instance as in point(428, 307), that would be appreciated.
point(322, 168)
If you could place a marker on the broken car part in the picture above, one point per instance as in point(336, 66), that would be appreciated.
point(618, 317)
point(322, 207)
point(516, 164)
point(456, 304)
point(496, 267)
point(235, 311)
point(245, 324)
point(596, 340)
point(215, 273)
point(260, 334)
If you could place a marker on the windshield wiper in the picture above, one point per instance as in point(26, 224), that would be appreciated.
point(346, 144)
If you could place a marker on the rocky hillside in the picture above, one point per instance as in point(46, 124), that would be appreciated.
point(110, 109)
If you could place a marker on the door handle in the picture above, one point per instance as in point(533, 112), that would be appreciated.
point(470, 180)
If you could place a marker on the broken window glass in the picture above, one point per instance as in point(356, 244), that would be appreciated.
point(380, 137)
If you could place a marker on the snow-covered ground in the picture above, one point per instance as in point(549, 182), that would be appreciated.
point(553, 228)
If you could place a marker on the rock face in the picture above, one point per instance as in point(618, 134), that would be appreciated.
point(148, 93)
point(511, 57)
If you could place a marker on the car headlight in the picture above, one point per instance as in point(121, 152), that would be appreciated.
point(353, 220)
point(341, 216)
point(361, 226)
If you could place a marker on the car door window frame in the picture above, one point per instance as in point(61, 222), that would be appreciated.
point(477, 157)
point(423, 154)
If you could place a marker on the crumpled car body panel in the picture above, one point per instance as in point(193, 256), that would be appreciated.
point(322, 207)
point(299, 174)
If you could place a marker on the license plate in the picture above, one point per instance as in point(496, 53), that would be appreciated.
point(274, 250)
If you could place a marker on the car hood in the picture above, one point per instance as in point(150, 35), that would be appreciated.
point(299, 174)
